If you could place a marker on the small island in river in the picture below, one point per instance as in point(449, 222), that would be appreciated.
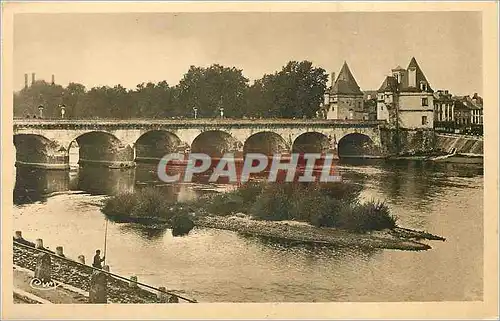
point(310, 213)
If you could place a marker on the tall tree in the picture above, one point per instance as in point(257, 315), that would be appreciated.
point(72, 94)
point(212, 88)
point(106, 102)
point(155, 100)
point(294, 92)
point(27, 100)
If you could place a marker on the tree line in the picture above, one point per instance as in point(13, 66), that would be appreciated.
point(295, 91)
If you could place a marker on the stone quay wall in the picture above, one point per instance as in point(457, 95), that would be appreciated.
point(408, 141)
point(79, 275)
point(459, 143)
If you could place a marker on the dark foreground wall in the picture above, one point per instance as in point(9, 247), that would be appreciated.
point(78, 275)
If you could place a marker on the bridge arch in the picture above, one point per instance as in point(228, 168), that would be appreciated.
point(155, 144)
point(34, 149)
point(312, 142)
point(215, 143)
point(357, 145)
point(265, 142)
point(100, 147)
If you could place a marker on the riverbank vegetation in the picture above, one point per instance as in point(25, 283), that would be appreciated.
point(335, 205)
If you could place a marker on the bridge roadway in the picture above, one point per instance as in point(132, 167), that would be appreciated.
point(46, 142)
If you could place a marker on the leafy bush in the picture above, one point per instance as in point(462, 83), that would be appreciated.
point(370, 216)
point(181, 224)
point(151, 202)
point(225, 204)
point(145, 203)
point(322, 205)
point(121, 204)
point(250, 191)
point(307, 202)
point(272, 204)
point(343, 191)
point(325, 212)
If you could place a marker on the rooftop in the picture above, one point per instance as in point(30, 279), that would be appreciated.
point(390, 84)
point(346, 83)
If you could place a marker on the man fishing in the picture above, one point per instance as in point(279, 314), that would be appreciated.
point(98, 260)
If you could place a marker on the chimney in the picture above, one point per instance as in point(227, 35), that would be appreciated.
point(53, 79)
point(25, 80)
point(32, 78)
point(333, 79)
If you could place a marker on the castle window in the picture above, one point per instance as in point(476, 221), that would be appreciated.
point(424, 120)
point(425, 102)
point(412, 77)
point(423, 86)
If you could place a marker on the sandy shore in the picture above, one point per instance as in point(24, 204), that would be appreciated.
point(398, 238)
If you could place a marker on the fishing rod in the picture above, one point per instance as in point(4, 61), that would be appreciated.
point(105, 240)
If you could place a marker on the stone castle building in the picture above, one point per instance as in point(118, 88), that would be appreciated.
point(344, 99)
point(405, 99)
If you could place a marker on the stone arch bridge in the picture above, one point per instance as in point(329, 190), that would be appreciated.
point(119, 143)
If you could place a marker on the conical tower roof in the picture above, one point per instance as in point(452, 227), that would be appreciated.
point(346, 83)
point(390, 84)
point(419, 78)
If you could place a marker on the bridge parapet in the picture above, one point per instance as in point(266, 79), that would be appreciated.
point(66, 123)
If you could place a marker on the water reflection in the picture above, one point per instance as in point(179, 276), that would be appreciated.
point(407, 179)
point(144, 232)
point(310, 252)
point(398, 180)
point(33, 184)
point(103, 180)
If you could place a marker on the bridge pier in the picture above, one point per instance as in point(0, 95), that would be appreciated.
point(36, 151)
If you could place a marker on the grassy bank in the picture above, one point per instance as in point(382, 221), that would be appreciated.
point(334, 205)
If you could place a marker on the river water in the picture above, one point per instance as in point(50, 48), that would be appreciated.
point(222, 266)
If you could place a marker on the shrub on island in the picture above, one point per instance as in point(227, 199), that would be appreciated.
point(149, 206)
point(322, 205)
point(334, 205)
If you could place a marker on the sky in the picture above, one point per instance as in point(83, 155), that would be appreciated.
point(97, 49)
